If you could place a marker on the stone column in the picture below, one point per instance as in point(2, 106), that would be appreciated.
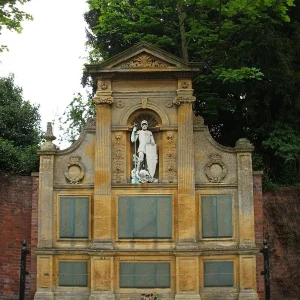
point(186, 182)
point(44, 282)
point(245, 194)
point(102, 278)
point(187, 278)
point(102, 187)
point(45, 218)
point(247, 278)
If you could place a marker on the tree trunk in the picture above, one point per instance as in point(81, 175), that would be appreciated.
point(181, 18)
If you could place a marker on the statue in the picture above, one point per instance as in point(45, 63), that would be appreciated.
point(145, 157)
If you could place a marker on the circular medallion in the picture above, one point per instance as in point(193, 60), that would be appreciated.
point(215, 169)
point(74, 171)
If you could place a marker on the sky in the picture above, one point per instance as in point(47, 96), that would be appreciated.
point(48, 56)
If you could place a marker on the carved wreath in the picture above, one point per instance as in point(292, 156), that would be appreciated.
point(215, 159)
point(74, 161)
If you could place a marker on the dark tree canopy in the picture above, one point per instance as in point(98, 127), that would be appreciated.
point(250, 84)
point(19, 130)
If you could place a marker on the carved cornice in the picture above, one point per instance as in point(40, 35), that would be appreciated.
point(103, 100)
point(186, 99)
point(154, 74)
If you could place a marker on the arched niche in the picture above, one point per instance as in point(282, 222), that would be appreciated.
point(160, 114)
point(154, 123)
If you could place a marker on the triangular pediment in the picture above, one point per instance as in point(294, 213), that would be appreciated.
point(143, 57)
point(144, 60)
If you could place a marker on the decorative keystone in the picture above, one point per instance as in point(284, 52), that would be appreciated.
point(244, 145)
point(49, 137)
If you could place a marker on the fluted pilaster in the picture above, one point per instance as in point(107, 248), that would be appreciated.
point(186, 181)
point(102, 184)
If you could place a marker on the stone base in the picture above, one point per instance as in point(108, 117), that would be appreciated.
point(219, 294)
point(102, 296)
point(44, 295)
point(248, 295)
point(72, 295)
point(187, 296)
point(187, 246)
point(102, 245)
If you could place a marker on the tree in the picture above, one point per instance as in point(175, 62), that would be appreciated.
point(19, 130)
point(11, 16)
point(249, 86)
point(75, 116)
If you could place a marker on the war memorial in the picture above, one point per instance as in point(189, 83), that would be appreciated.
point(145, 201)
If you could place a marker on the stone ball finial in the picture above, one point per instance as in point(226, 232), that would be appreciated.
point(198, 120)
point(49, 137)
point(244, 144)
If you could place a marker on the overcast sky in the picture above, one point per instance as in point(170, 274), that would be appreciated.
point(48, 56)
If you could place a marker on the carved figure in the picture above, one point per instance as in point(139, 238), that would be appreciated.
point(145, 164)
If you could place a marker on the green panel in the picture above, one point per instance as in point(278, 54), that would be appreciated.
point(226, 273)
point(224, 213)
point(127, 277)
point(164, 217)
point(73, 273)
point(218, 273)
point(74, 217)
point(125, 211)
point(163, 279)
point(145, 224)
point(145, 275)
point(145, 217)
point(209, 216)
point(81, 217)
point(66, 217)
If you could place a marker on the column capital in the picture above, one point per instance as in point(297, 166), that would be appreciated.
point(184, 99)
point(103, 100)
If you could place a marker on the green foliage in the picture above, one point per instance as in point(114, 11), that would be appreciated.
point(75, 117)
point(19, 129)
point(284, 141)
point(11, 16)
point(249, 86)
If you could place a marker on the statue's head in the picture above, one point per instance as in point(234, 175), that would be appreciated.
point(144, 124)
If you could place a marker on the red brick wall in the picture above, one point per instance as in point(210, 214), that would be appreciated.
point(17, 196)
point(259, 232)
point(282, 225)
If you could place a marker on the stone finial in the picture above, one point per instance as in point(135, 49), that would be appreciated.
point(244, 145)
point(198, 120)
point(49, 137)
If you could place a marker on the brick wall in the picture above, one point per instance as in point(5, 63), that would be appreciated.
point(259, 231)
point(282, 219)
point(18, 199)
